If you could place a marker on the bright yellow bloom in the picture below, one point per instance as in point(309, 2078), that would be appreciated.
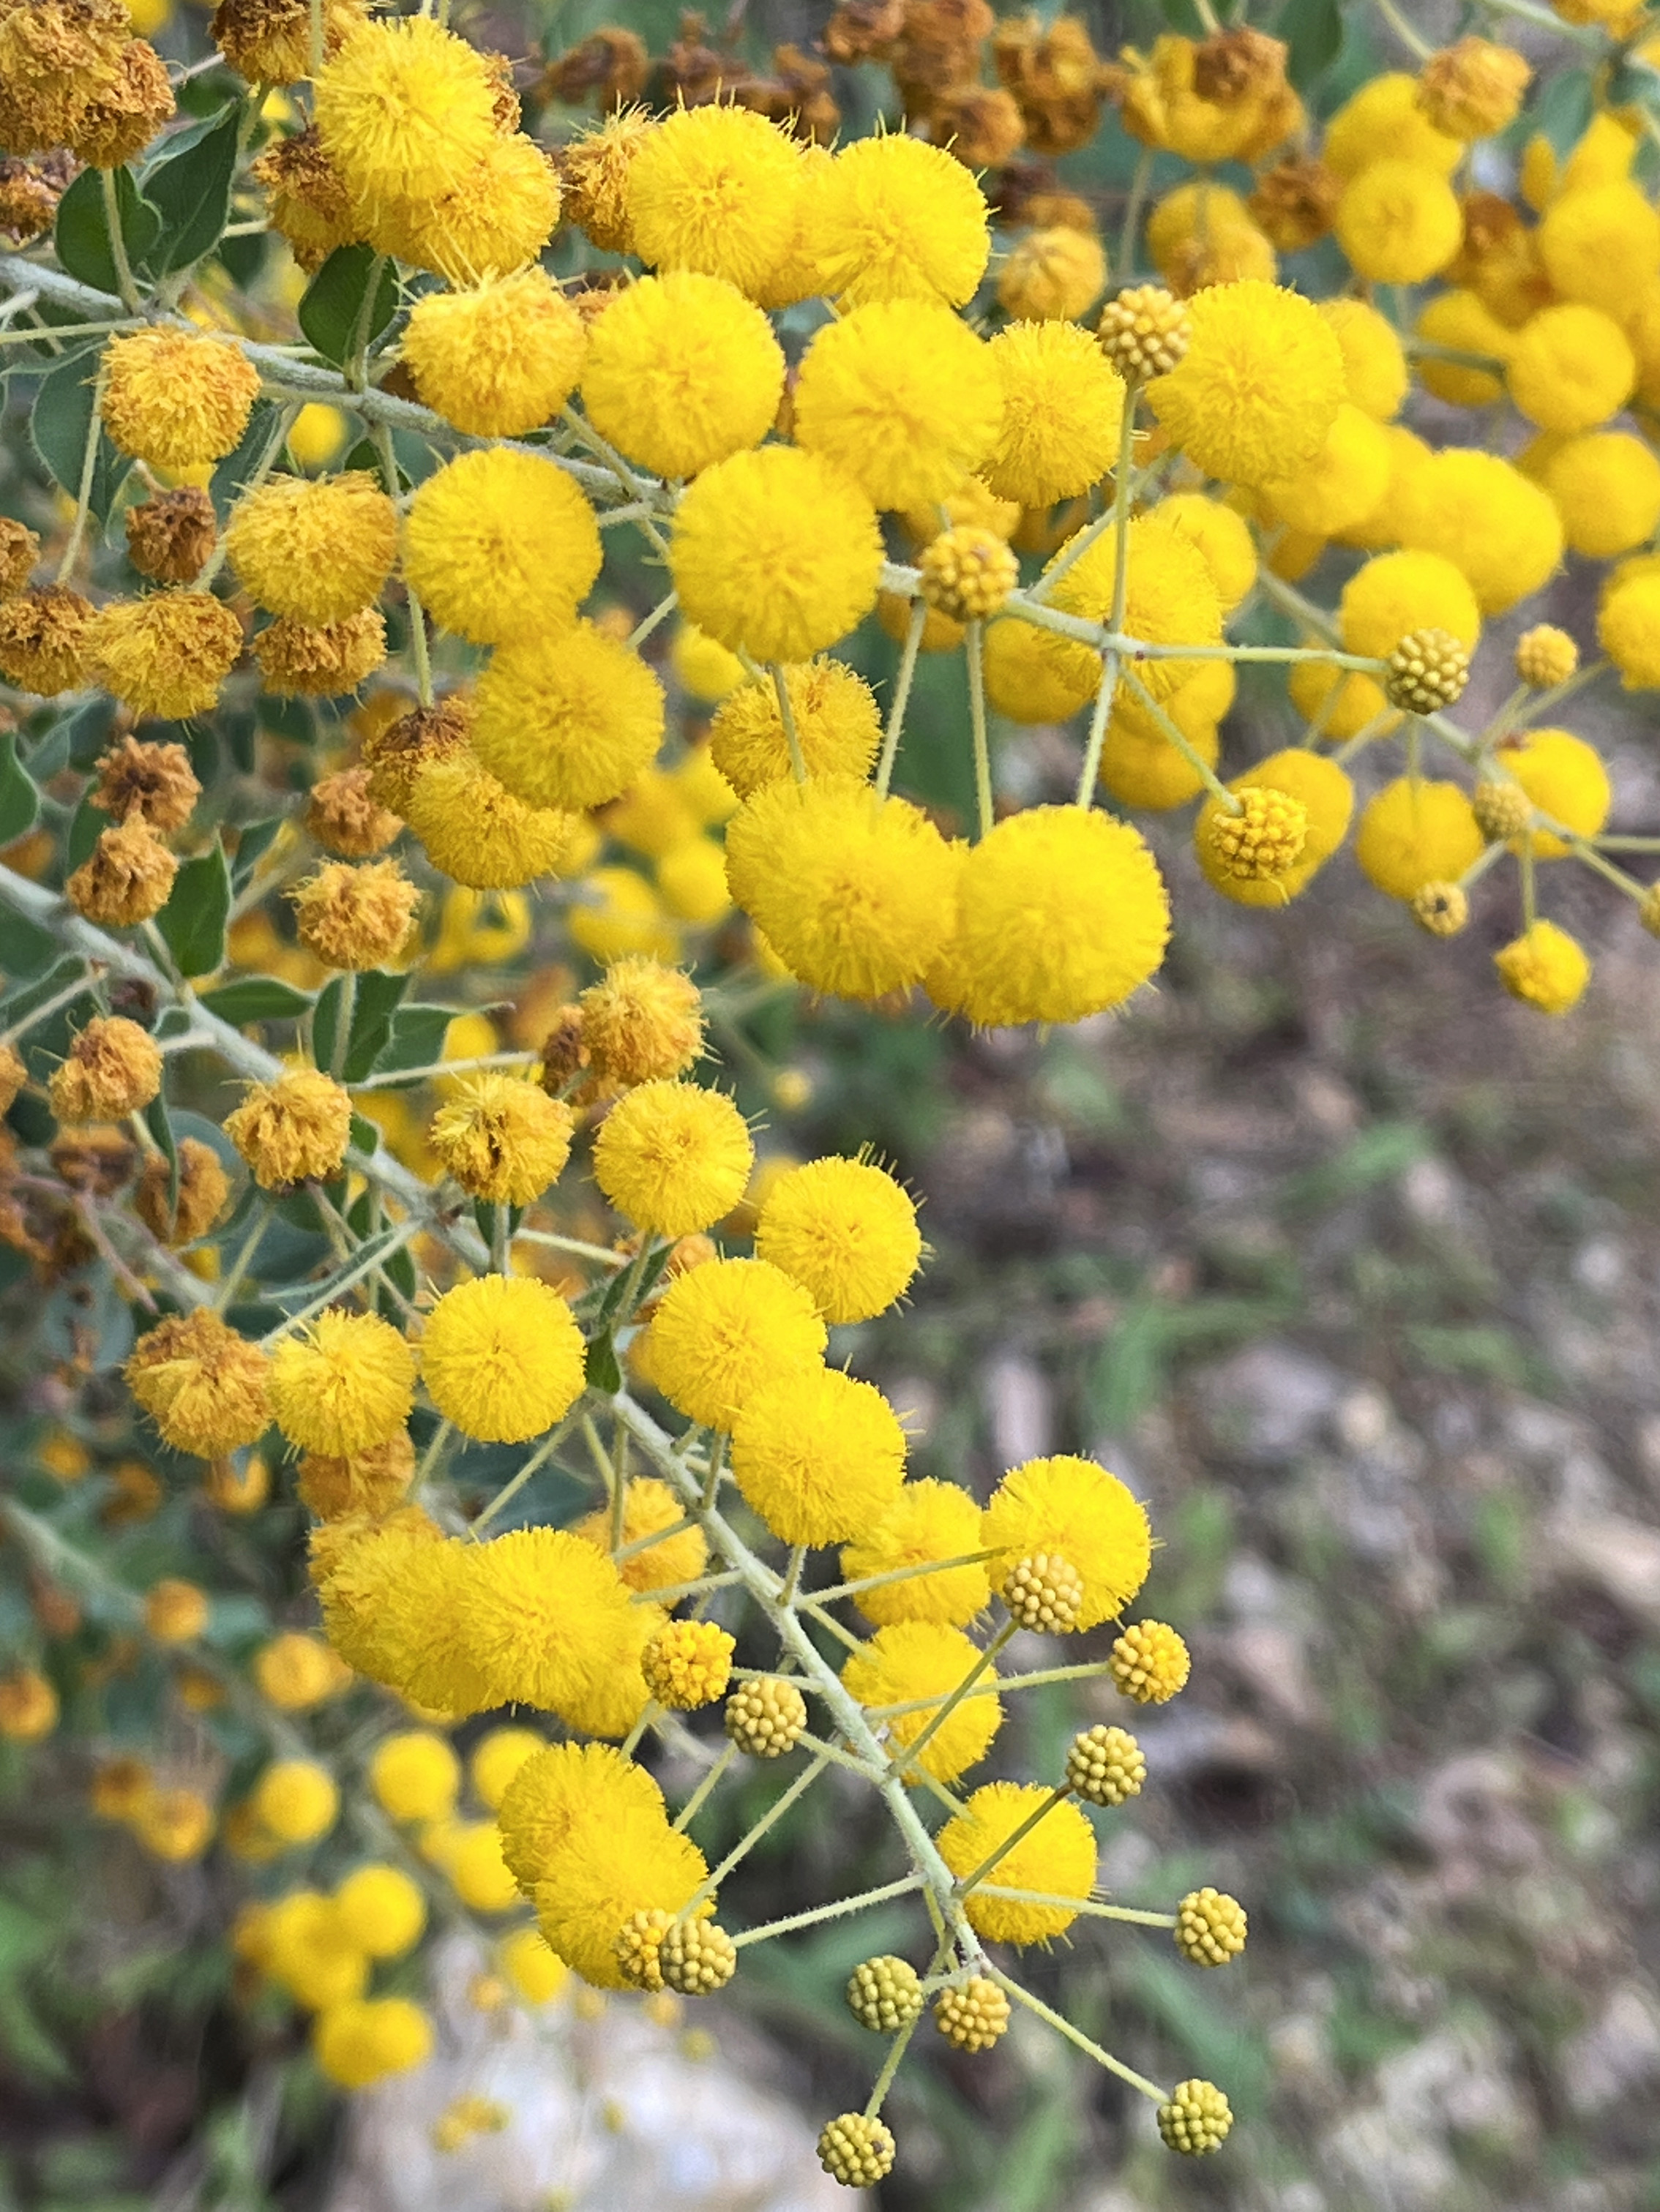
point(296, 1801)
point(1570, 368)
point(498, 360)
point(203, 1386)
point(928, 1521)
point(1383, 121)
point(502, 1138)
point(404, 111)
point(166, 654)
point(915, 1659)
point(1090, 1518)
point(1396, 593)
point(1055, 1859)
point(901, 398)
point(381, 1910)
point(1414, 832)
point(1052, 275)
point(724, 1331)
point(1545, 968)
point(366, 2039)
point(499, 216)
point(1564, 778)
point(1478, 511)
point(838, 726)
point(674, 1157)
point(497, 1757)
point(1259, 387)
point(641, 1022)
point(1606, 486)
point(177, 399)
point(1398, 222)
point(1171, 599)
point(501, 1358)
point(818, 1456)
point(1601, 245)
point(847, 1231)
point(893, 218)
point(567, 717)
point(342, 1385)
point(498, 544)
point(1225, 539)
point(1374, 362)
point(315, 549)
point(175, 1611)
point(415, 1776)
point(1062, 403)
point(1628, 630)
point(649, 1507)
point(682, 370)
point(714, 189)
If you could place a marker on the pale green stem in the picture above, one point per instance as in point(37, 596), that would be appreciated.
point(1089, 1672)
point(622, 1551)
point(1628, 844)
point(500, 1237)
point(356, 363)
point(1584, 850)
point(912, 646)
point(1290, 601)
point(969, 1882)
point(364, 1263)
point(1369, 734)
point(717, 1463)
point(1546, 700)
point(58, 1000)
point(829, 1622)
point(660, 613)
point(1084, 1905)
point(1489, 858)
point(651, 1715)
point(975, 645)
point(884, 2081)
point(436, 1445)
point(786, 716)
point(1526, 11)
point(1114, 517)
point(837, 1757)
point(1202, 767)
point(798, 1559)
point(1404, 31)
point(318, 47)
point(88, 469)
point(407, 1077)
point(599, 1254)
point(1064, 2027)
point(510, 1490)
point(124, 282)
point(694, 1804)
point(861, 1903)
point(902, 1575)
point(775, 1813)
point(1127, 236)
point(38, 333)
point(1106, 691)
point(905, 1758)
point(1530, 907)
point(226, 1289)
point(418, 652)
point(675, 1591)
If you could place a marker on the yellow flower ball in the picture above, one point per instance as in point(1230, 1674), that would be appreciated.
point(527, 1962)
point(853, 892)
point(295, 1671)
point(846, 1231)
point(502, 1138)
point(567, 717)
point(1383, 122)
point(175, 1611)
point(404, 111)
point(1062, 914)
point(205, 1388)
point(381, 1910)
point(893, 218)
point(775, 553)
point(165, 654)
point(367, 2039)
point(1607, 489)
point(1628, 630)
point(838, 726)
point(1398, 222)
point(701, 668)
point(649, 1508)
point(617, 915)
point(817, 1456)
point(315, 549)
point(673, 1157)
point(682, 370)
point(499, 359)
point(1564, 778)
point(1327, 797)
point(1570, 368)
point(1395, 594)
point(1140, 766)
point(1170, 598)
point(551, 1793)
point(608, 1867)
point(1463, 322)
point(1053, 275)
point(916, 1659)
point(499, 544)
point(29, 1709)
point(476, 832)
point(496, 1758)
point(1374, 361)
point(296, 1801)
point(724, 1330)
point(1345, 482)
point(1259, 386)
point(1544, 967)
point(714, 189)
point(1033, 676)
point(1056, 1858)
point(1479, 512)
point(1062, 405)
point(692, 879)
point(1414, 832)
point(177, 399)
point(498, 217)
point(1225, 539)
point(901, 398)
point(502, 1357)
point(344, 1384)
point(1090, 1518)
point(929, 1521)
point(1601, 246)
point(640, 1021)
point(415, 1776)
point(478, 1872)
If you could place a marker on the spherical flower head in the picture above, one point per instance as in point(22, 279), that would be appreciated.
point(1170, 598)
point(179, 1218)
point(1222, 536)
point(1414, 832)
point(295, 1671)
point(1057, 1857)
point(175, 1611)
point(473, 1862)
point(1062, 912)
point(296, 1801)
point(1195, 2118)
point(1383, 121)
point(1052, 275)
point(1062, 402)
point(714, 189)
point(853, 2148)
point(43, 640)
point(1395, 594)
point(320, 660)
point(765, 1718)
point(498, 544)
point(901, 398)
point(500, 359)
point(1074, 1508)
point(674, 1157)
point(1259, 386)
point(365, 2039)
point(1105, 1766)
point(727, 1329)
point(497, 218)
point(846, 1230)
point(403, 110)
point(696, 1957)
point(356, 918)
point(884, 1994)
point(127, 877)
point(681, 371)
point(595, 168)
point(1570, 368)
point(1344, 483)
point(1263, 840)
point(553, 1795)
point(113, 1069)
point(1149, 1662)
point(167, 655)
point(153, 784)
point(641, 1022)
point(618, 913)
point(568, 718)
point(688, 1664)
point(968, 573)
point(1374, 361)
point(203, 1386)
point(1607, 489)
point(1210, 1927)
point(529, 1966)
point(1602, 244)
point(1427, 671)
point(918, 1659)
point(174, 1825)
point(927, 1520)
point(28, 1706)
point(478, 833)
point(817, 1456)
point(381, 1910)
point(1043, 1594)
point(536, 1617)
point(611, 1865)
point(415, 1776)
point(343, 816)
point(502, 1357)
point(343, 1385)
point(317, 549)
point(502, 1138)
point(972, 2015)
point(294, 1129)
point(776, 553)
point(1564, 778)
point(1399, 222)
point(893, 218)
point(1628, 630)
point(1544, 967)
point(1323, 793)
point(650, 1508)
point(1472, 89)
point(1477, 511)
point(838, 726)
point(175, 399)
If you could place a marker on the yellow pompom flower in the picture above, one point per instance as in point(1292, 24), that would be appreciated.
point(618, 913)
point(355, 917)
point(928, 1521)
point(1465, 322)
point(1374, 362)
point(404, 110)
point(550, 1794)
point(295, 1671)
point(1544, 967)
point(205, 1388)
point(176, 399)
point(1052, 275)
point(606, 1870)
point(915, 1659)
point(317, 549)
point(1140, 766)
point(1032, 675)
point(381, 1911)
point(1327, 797)
point(1343, 484)
point(1338, 703)
point(344, 1384)
point(29, 1711)
point(1628, 630)
point(1056, 1859)
point(1570, 368)
point(723, 1331)
point(166, 654)
point(1398, 222)
point(775, 553)
point(594, 168)
point(1414, 832)
point(1478, 511)
point(682, 370)
point(1090, 1518)
point(846, 1231)
point(901, 398)
point(367, 2039)
point(838, 726)
point(541, 1618)
point(688, 1664)
point(415, 1776)
point(641, 1022)
point(1607, 489)
point(1170, 598)
point(1395, 594)
point(499, 216)
point(478, 1873)
point(502, 1138)
point(1062, 403)
point(650, 1507)
point(1383, 121)
point(817, 1456)
point(567, 717)
point(1062, 912)
point(1259, 386)
point(296, 1801)
point(1564, 778)
point(480, 833)
point(673, 1157)
point(853, 892)
point(498, 544)
point(536, 1976)
point(302, 1946)
point(499, 359)
point(502, 1357)
point(714, 189)
point(893, 218)
point(703, 668)
point(496, 1758)
point(1223, 537)
point(1601, 245)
